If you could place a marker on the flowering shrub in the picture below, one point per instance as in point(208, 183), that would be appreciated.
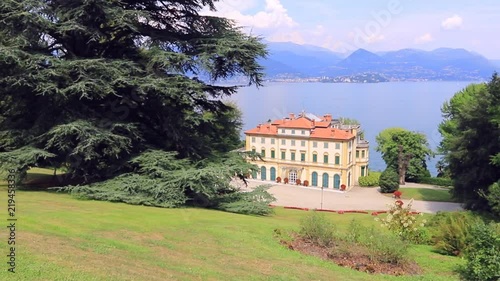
point(278, 179)
point(285, 180)
point(306, 183)
point(397, 194)
point(402, 222)
point(297, 182)
point(342, 187)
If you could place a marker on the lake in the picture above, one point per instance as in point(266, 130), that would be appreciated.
point(415, 106)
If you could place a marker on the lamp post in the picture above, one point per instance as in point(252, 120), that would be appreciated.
point(321, 197)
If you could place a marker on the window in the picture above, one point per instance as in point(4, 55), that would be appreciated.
point(272, 141)
point(283, 155)
point(293, 142)
point(350, 157)
point(350, 144)
point(325, 145)
point(362, 154)
point(325, 159)
point(363, 171)
point(273, 154)
point(293, 156)
point(337, 160)
point(303, 132)
point(337, 145)
point(303, 143)
point(357, 153)
point(293, 132)
point(315, 144)
point(263, 153)
point(253, 150)
point(303, 157)
point(282, 131)
point(315, 158)
point(262, 140)
point(283, 142)
point(253, 139)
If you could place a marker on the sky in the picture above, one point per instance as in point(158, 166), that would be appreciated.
point(376, 25)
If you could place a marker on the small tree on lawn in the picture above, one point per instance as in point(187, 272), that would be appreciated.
point(389, 181)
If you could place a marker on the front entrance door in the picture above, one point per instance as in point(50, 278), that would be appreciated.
point(273, 174)
point(292, 177)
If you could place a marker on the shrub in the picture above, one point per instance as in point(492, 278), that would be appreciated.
point(382, 247)
point(437, 181)
point(297, 182)
point(451, 231)
point(306, 183)
point(397, 194)
point(389, 181)
point(371, 180)
point(278, 179)
point(483, 260)
point(316, 228)
point(493, 198)
point(342, 187)
point(402, 222)
point(285, 180)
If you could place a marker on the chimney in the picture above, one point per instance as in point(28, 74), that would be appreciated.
point(328, 117)
point(292, 116)
point(314, 123)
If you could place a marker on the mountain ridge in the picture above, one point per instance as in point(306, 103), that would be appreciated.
point(290, 60)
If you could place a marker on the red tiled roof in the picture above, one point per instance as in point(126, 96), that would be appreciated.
point(299, 123)
point(319, 129)
point(331, 133)
point(265, 129)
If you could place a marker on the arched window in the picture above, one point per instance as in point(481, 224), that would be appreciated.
point(336, 181)
point(273, 173)
point(325, 180)
point(314, 179)
point(263, 173)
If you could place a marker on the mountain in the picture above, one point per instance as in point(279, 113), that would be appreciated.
point(301, 60)
point(306, 61)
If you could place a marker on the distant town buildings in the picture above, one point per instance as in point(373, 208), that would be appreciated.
point(322, 151)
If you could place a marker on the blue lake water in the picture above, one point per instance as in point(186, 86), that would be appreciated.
point(415, 106)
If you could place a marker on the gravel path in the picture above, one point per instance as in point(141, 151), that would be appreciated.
point(357, 198)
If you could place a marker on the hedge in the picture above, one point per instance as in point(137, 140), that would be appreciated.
point(437, 181)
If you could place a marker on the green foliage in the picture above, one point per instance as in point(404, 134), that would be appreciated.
point(93, 84)
point(493, 198)
point(403, 223)
point(483, 260)
point(437, 181)
point(157, 178)
point(255, 202)
point(470, 141)
point(380, 246)
point(316, 228)
point(389, 181)
point(451, 231)
point(371, 180)
point(413, 143)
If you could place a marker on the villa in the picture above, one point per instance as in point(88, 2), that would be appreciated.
point(322, 151)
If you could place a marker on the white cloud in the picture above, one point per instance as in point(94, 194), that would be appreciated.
point(374, 38)
point(293, 36)
point(424, 38)
point(452, 23)
point(274, 14)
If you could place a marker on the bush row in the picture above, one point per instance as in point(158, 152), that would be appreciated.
point(370, 180)
point(437, 181)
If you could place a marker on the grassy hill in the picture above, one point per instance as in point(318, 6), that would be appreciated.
point(62, 238)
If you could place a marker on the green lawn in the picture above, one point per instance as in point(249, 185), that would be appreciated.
point(62, 238)
point(426, 194)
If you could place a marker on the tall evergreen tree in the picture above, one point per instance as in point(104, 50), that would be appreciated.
point(471, 141)
point(90, 85)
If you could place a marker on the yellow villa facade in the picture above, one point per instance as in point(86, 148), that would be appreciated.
point(322, 151)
